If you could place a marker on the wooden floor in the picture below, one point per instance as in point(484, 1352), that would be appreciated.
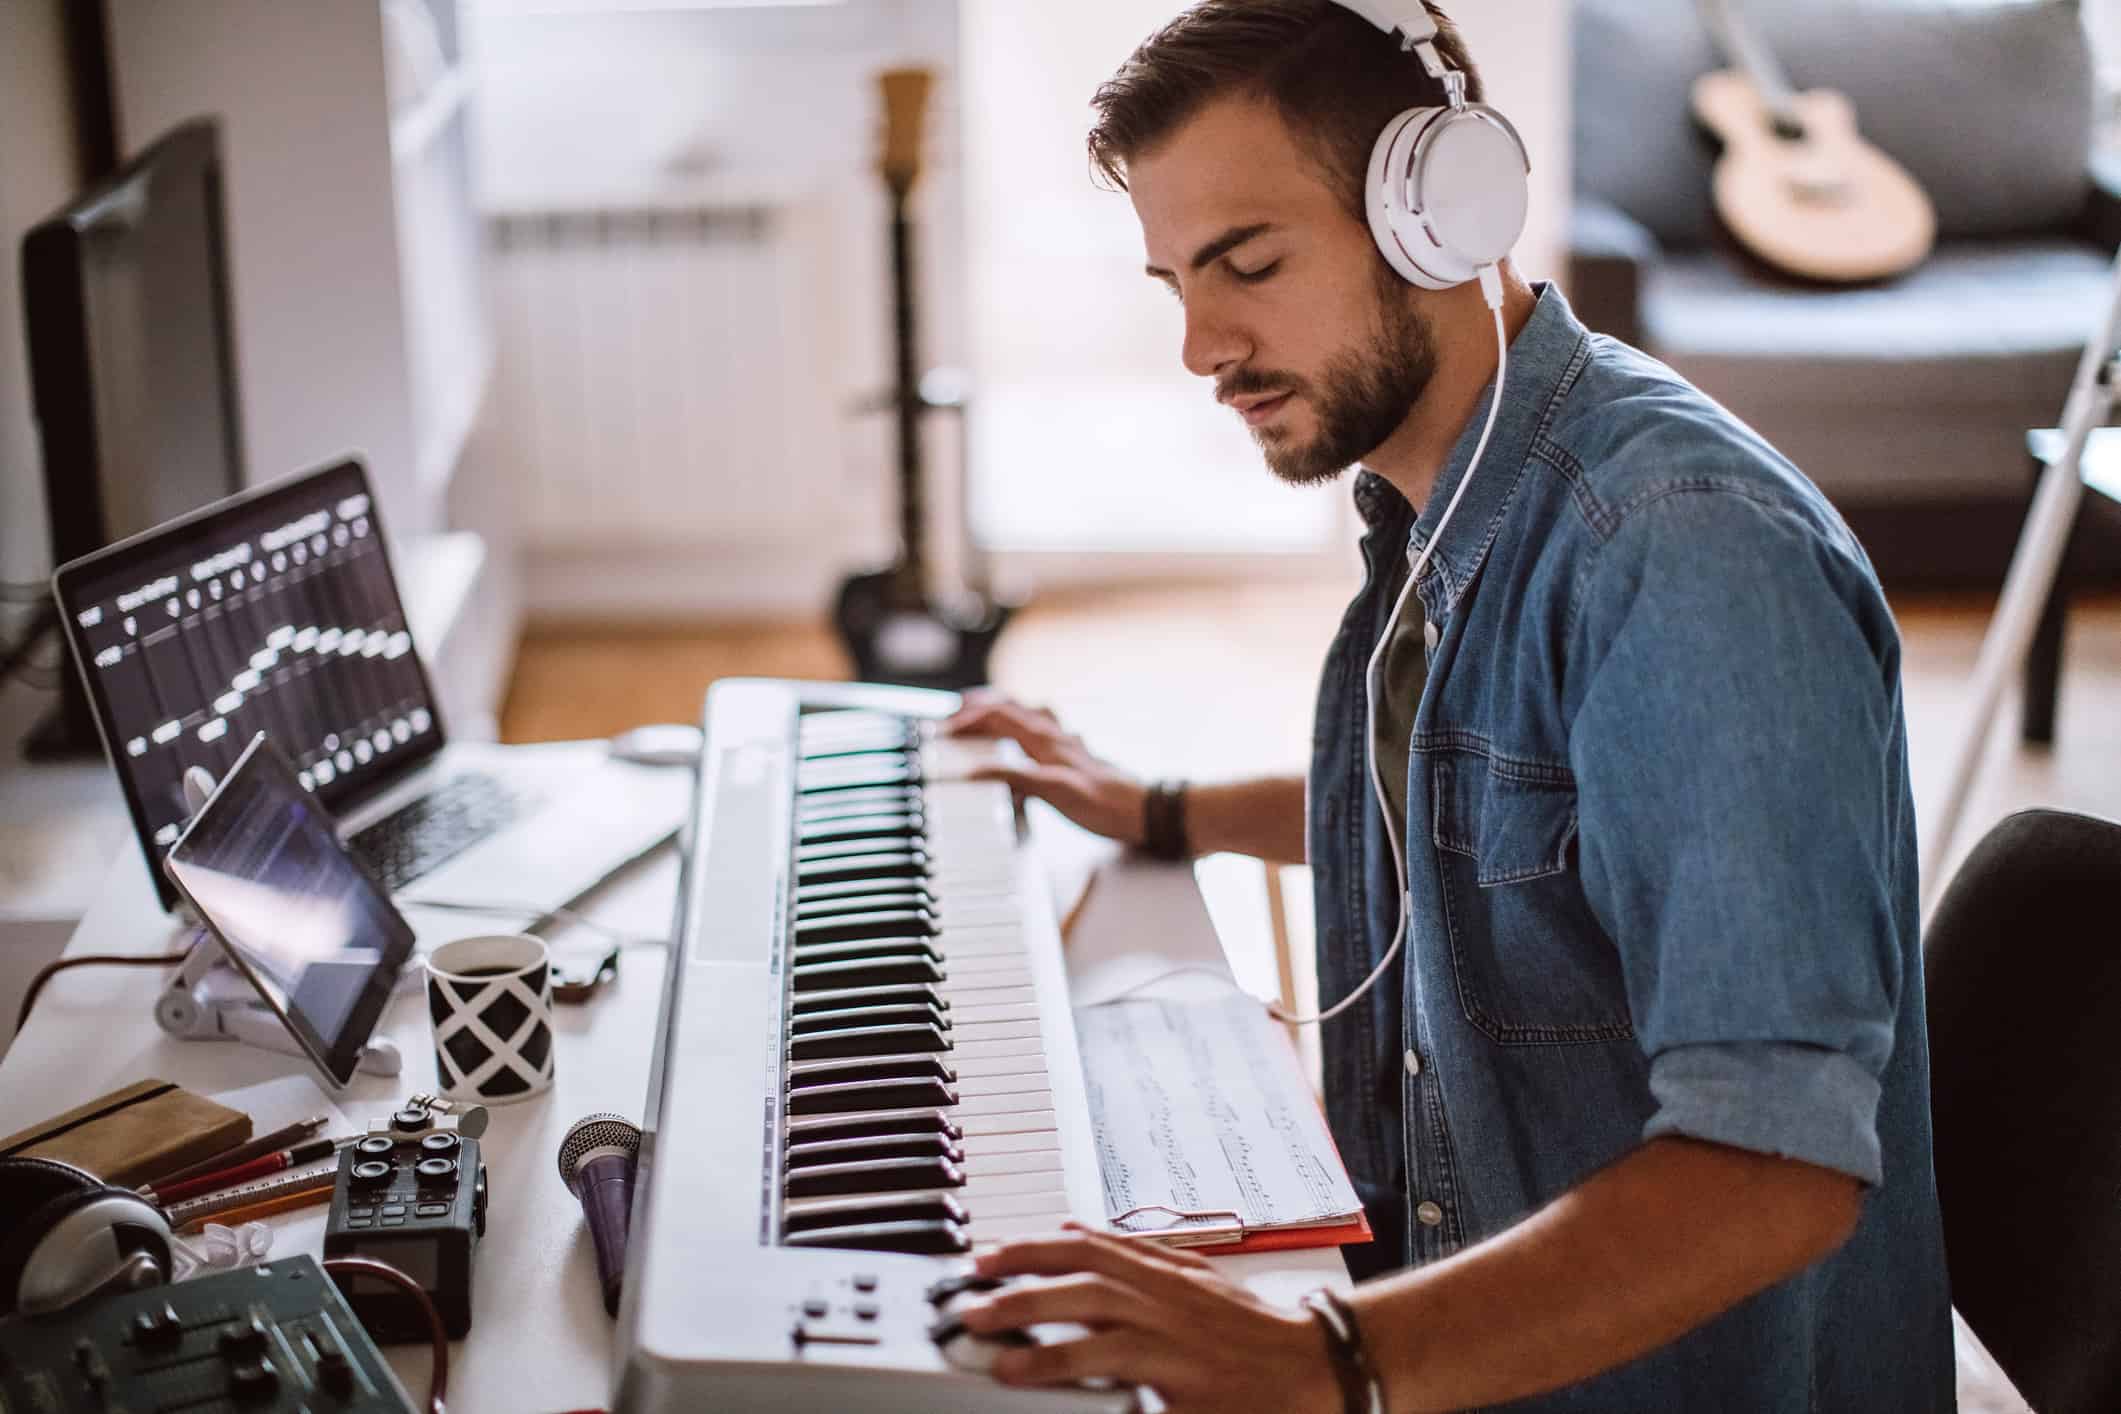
point(1209, 681)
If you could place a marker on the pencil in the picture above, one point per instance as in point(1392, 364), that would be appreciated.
point(304, 1153)
point(286, 1202)
point(250, 1149)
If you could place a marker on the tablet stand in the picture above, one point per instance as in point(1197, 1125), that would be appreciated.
point(207, 1000)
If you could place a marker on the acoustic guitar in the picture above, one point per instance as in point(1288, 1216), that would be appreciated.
point(895, 630)
point(1797, 184)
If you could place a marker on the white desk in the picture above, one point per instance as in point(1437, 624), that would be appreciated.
point(540, 1340)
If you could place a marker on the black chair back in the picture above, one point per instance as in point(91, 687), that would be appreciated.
point(2023, 962)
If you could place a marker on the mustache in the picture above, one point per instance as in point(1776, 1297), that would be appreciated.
point(1248, 381)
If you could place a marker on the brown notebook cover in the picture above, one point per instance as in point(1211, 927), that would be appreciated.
point(133, 1135)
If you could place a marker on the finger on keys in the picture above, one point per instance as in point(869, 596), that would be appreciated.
point(1160, 1251)
point(976, 706)
point(1084, 1298)
point(1130, 1356)
point(1085, 1252)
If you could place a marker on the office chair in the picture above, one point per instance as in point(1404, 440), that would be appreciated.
point(2023, 959)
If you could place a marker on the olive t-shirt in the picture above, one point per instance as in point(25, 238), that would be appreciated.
point(1406, 671)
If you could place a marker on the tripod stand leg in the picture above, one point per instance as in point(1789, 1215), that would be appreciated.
point(2026, 588)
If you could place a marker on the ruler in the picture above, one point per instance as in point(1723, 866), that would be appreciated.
point(256, 1191)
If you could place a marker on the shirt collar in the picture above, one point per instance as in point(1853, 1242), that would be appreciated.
point(1544, 359)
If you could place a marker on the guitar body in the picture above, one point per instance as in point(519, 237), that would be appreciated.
point(910, 641)
point(1810, 196)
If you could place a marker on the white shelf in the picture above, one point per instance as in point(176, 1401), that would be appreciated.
point(414, 130)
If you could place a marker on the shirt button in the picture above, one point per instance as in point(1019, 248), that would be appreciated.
point(1413, 1063)
point(1429, 1215)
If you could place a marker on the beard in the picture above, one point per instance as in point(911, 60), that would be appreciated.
point(1360, 399)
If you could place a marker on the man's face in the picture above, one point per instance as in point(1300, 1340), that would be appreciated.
point(1307, 333)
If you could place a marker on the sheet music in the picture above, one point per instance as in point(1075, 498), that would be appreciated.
point(1201, 1108)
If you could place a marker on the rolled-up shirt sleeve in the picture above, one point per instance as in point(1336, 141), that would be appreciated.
point(1734, 685)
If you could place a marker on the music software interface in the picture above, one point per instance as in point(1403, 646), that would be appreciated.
point(281, 616)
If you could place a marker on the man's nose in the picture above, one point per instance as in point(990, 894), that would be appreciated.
point(1212, 344)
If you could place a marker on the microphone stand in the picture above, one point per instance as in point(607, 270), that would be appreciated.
point(2031, 579)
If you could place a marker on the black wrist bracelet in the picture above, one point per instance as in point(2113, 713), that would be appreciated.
point(1360, 1390)
point(1164, 821)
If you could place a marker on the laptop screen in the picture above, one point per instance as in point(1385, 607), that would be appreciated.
point(273, 611)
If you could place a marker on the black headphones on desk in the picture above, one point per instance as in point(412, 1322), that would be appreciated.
point(77, 1236)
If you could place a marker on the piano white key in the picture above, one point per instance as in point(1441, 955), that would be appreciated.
point(1014, 1046)
point(977, 1191)
point(1046, 1203)
point(980, 1065)
point(1003, 1083)
point(974, 1032)
point(994, 1011)
point(1009, 1229)
point(1021, 1122)
point(972, 1106)
point(1025, 1161)
point(1029, 1141)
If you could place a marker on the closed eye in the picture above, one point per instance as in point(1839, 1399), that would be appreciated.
point(1253, 277)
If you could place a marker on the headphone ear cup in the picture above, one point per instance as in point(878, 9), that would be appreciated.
point(46, 1193)
point(1447, 193)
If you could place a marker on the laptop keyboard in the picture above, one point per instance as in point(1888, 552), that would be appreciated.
point(430, 831)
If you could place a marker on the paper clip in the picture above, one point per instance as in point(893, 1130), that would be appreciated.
point(1202, 1227)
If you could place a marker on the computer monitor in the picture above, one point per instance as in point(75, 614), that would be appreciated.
point(125, 297)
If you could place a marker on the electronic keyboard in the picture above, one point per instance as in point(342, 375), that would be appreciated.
point(865, 1064)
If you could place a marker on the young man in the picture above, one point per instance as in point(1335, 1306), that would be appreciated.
point(1641, 1115)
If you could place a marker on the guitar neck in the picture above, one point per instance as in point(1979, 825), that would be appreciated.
point(1746, 51)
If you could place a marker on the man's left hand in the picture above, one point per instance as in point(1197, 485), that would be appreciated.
point(1155, 1316)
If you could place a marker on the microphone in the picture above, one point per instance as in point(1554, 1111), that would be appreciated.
point(596, 1164)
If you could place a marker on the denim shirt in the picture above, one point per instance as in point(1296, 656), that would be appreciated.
point(1660, 856)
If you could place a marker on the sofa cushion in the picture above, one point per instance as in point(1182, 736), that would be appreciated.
point(1929, 383)
point(1989, 103)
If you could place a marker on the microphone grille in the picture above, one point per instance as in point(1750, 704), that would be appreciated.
point(592, 1132)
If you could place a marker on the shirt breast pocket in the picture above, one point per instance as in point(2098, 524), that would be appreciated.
point(1532, 965)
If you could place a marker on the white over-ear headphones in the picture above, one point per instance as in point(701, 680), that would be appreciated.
point(1447, 190)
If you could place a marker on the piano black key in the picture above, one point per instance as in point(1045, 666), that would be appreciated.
point(857, 1096)
point(843, 1018)
point(881, 1176)
point(873, 1125)
point(865, 972)
point(878, 948)
point(917, 1239)
point(822, 900)
point(848, 849)
point(810, 1214)
point(820, 783)
point(894, 826)
point(900, 865)
point(913, 1066)
point(876, 923)
point(842, 805)
point(870, 1041)
point(836, 748)
point(898, 1146)
point(811, 1003)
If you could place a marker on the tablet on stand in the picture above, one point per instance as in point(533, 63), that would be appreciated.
point(318, 940)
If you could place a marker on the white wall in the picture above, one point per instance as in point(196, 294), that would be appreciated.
point(1091, 437)
point(37, 176)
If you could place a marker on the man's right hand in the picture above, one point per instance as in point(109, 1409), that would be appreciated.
point(1092, 792)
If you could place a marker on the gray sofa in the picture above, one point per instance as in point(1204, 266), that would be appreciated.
point(1907, 402)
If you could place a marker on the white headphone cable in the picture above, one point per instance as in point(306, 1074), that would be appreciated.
point(1491, 291)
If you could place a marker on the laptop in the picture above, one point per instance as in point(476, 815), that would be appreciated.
point(276, 610)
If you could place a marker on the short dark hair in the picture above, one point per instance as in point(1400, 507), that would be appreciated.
point(1335, 78)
